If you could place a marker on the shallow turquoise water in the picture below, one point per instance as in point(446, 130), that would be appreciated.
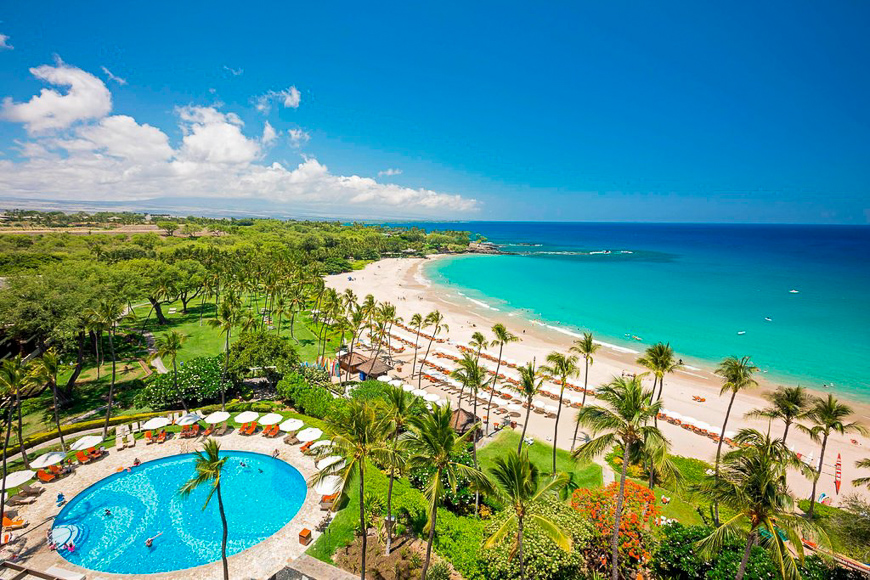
point(696, 287)
point(259, 499)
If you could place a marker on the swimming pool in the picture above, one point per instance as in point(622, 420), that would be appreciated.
point(260, 495)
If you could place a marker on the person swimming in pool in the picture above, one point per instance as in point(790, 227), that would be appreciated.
point(107, 512)
point(150, 541)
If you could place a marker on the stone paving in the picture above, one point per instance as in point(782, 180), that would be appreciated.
point(259, 562)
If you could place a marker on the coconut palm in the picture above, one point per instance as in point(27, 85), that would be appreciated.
point(168, 345)
point(13, 376)
point(399, 407)
point(624, 421)
point(788, 404)
point(517, 485)
point(208, 468)
point(502, 337)
point(435, 320)
point(226, 318)
point(358, 434)
point(562, 366)
point(585, 347)
point(530, 385)
point(416, 323)
point(752, 482)
point(472, 375)
point(479, 343)
point(356, 321)
point(660, 360)
point(44, 371)
point(433, 444)
point(107, 313)
point(862, 464)
point(828, 416)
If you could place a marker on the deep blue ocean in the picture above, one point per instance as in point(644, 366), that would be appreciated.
point(709, 290)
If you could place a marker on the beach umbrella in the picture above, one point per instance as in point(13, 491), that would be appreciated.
point(431, 397)
point(328, 485)
point(321, 443)
point(189, 419)
point(18, 478)
point(550, 408)
point(51, 458)
point(418, 392)
point(514, 408)
point(384, 379)
point(539, 404)
point(291, 425)
point(730, 434)
point(155, 423)
point(396, 383)
point(86, 442)
point(271, 419)
point(309, 434)
point(408, 388)
point(328, 462)
point(247, 417)
point(217, 417)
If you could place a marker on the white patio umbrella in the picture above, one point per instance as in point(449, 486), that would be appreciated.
point(551, 408)
point(728, 435)
point(291, 425)
point(271, 419)
point(418, 392)
point(189, 419)
point(384, 379)
point(431, 397)
point(328, 485)
point(514, 407)
point(156, 423)
point(396, 383)
point(87, 442)
point(408, 388)
point(51, 458)
point(18, 478)
point(328, 462)
point(217, 417)
point(321, 443)
point(247, 417)
point(309, 434)
point(539, 404)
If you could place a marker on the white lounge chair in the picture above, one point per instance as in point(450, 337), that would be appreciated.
point(131, 440)
point(65, 574)
point(119, 442)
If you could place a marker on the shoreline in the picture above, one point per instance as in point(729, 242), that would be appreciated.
point(402, 282)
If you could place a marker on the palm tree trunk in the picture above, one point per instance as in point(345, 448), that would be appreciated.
point(526, 424)
point(80, 359)
point(750, 541)
point(390, 497)
point(816, 478)
point(416, 342)
point(614, 541)
point(582, 404)
point(56, 415)
point(785, 433)
point(201, 307)
point(175, 384)
point(719, 454)
point(224, 377)
point(492, 391)
point(362, 523)
point(292, 324)
point(5, 456)
point(474, 455)
point(431, 537)
point(20, 430)
point(420, 378)
point(556, 429)
point(111, 385)
point(520, 548)
point(97, 340)
point(655, 419)
point(350, 356)
point(225, 533)
point(458, 406)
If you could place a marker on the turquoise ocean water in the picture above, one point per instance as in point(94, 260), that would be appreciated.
point(709, 290)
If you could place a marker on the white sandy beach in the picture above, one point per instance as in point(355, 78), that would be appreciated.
point(400, 281)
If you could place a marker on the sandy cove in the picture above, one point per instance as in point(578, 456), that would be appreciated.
point(401, 282)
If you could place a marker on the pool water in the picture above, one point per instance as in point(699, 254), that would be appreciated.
point(259, 499)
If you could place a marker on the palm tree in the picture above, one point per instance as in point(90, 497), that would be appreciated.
point(356, 320)
point(529, 387)
point(517, 485)
point(107, 313)
point(432, 443)
point(585, 347)
point(44, 371)
point(357, 435)
point(786, 403)
point(862, 464)
point(563, 366)
point(208, 467)
point(436, 320)
point(478, 342)
point(624, 421)
point(12, 377)
point(226, 318)
point(473, 376)
point(168, 345)
point(660, 360)
point(417, 323)
point(502, 337)
point(399, 407)
point(752, 482)
point(829, 416)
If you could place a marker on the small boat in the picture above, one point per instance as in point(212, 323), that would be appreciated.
point(768, 318)
point(838, 474)
point(793, 291)
point(741, 332)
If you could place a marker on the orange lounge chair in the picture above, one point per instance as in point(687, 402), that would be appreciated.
point(252, 429)
point(83, 457)
point(208, 431)
point(306, 447)
point(185, 430)
point(267, 430)
point(95, 453)
point(13, 525)
point(148, 439)
point(162, 437)
point(275, 431)
point(194, 431)
point(55, 470)
point(43, 476)
point(244, 428)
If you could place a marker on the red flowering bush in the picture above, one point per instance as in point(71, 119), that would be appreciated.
point(639, 513)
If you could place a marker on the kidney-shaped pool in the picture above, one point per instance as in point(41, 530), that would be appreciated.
point(260, 495)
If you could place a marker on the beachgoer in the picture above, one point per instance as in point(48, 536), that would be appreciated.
point(242, 463)
point(71, 547)
point(150, 541)
point(108, 512)
point(136, 462)
point(275, 454)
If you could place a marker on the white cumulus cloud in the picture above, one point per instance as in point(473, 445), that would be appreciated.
point(298, 137)
point(234, 71)
point(269, 134)
point(112, 77)
point(86, 98)
point(289, 98)
point(4, 43)
point(389, 171)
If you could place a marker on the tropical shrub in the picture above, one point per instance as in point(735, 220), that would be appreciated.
point(263, 351)
point(314, 375)
point(310, 399)
point(368, 391)
point(544, 560)
point(639, 514)
point(459, 540)
point(199, 381)
point(460, 501)
point(438, 571)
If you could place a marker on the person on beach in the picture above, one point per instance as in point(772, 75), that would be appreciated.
point(275, 454)
point(136, 462)
point(150, 541)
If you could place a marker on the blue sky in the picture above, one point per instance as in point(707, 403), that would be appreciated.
point(488, 110)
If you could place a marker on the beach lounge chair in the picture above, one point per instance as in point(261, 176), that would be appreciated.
point(243, 428)
point(95, 453)
point(291, 439)
point(44, 476)
point(185, 431)
point(58, 572)
point(275, 431)
point(162, 437)
point(306, 447)
point(208, 431)
point(327, 501)
point(194, 431)
point(148, 438)
point(55, 470)
point(20, 500)
point(13, 525)
point(83, 457)
point(252, 429)
point(222, 429)
point(131, 440)
point(119, 442)
point(27, 489)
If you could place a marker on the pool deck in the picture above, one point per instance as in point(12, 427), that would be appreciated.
point(261, 561)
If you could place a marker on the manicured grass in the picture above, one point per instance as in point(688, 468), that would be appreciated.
point(541, 455)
